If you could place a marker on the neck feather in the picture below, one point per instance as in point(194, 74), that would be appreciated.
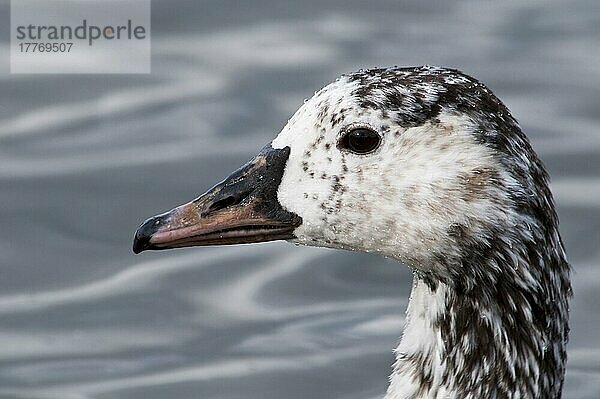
point(501, 334)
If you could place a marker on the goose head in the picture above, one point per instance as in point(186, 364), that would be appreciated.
point(424, 165)
point(412, 163)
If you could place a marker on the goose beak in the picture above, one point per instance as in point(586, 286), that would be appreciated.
point(240, 210)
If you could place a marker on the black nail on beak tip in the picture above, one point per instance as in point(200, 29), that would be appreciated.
point(141, 240)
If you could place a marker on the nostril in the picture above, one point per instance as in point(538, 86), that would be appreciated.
point(226, 202)
point(223, 203)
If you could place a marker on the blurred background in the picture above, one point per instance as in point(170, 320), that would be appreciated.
point(84, 159)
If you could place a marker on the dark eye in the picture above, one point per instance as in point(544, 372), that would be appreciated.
point(360, 141)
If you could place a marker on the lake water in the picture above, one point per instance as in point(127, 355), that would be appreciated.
point(83, 159)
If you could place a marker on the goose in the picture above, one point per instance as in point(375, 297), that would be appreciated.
point(426, 166)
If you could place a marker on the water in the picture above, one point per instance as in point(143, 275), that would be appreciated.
point(83, 159)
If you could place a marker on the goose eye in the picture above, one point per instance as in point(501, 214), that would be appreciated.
point(360, 141)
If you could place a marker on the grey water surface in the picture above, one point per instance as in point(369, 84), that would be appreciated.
point(84, 159)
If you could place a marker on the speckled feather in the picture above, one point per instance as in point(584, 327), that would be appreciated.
point(456, 192)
